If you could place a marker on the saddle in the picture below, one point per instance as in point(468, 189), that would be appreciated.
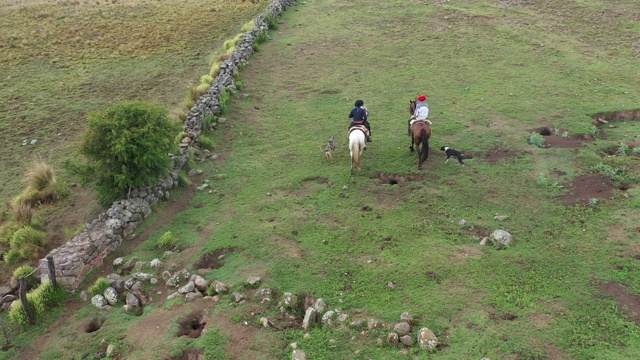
point(361, 128)
point(426, 121)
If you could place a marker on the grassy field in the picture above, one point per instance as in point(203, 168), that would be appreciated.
point(63, 60)
point(373, 248)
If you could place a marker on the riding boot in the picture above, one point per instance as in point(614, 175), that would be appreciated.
point(369, 138)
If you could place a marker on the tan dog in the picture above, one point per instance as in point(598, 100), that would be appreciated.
point(328, 150)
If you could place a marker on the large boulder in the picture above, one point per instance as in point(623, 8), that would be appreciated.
point(427, 339)
point(501, 239)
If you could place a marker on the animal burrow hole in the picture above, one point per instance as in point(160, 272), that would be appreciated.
point(214, 260)
point(93, 325)
point(192, 325)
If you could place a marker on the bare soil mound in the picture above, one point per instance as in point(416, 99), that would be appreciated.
point(585, 187)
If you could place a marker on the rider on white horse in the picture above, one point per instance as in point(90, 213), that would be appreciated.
point(421, 113)
point(359, 116)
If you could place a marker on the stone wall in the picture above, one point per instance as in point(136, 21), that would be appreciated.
point(75, 259)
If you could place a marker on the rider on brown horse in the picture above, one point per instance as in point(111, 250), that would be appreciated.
point(421, 112)
point(359, 116)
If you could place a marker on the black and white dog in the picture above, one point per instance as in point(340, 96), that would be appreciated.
point(452, 153)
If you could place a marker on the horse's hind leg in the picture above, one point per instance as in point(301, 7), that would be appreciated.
point(412, 143)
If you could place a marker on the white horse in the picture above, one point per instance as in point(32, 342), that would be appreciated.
point(356, 146)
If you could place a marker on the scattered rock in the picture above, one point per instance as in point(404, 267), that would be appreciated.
point(99, 301)
point(254, 280)
point(501, 239)
point(309, 318)
point(427, 339)
point(298, 355)
point(406, 340)
point(402, 329)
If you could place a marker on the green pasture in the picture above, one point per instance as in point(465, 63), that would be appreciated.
point(493, 72)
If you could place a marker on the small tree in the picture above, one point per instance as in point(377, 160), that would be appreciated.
point(126, 147)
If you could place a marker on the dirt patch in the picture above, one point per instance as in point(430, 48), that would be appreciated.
point(630, 304)
point(214, 260)
point(626, 115)
point(191, 354)
point(498, 154)
point(553, 138)
point(465, 252)
point(585, 187)
point(397, 179)
point(192, 325)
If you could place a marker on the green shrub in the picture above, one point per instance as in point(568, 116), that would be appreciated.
point(167, 241)
point(545, 182)
point(617, 174)
point(6, 231)
point(183, 179)
point(206, 79)
point(232, 43)
point(126, 146)
point(537, 140)
point(17, 314)
point(25, 270)
point(262, 37)
point(99, 286)
point(224, 101)
point(205, 142)
point(272, 22)
point(206, 122)
point(594, 131)
point(26, 243)
point(622, 149)
point(46, 294)
point(248, 26)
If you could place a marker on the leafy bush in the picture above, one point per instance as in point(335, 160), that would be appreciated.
point(167, 241)
point(25, 270)
point(26, 243)
point(537, 140)
point(594, 131)
point(99, 286)
point(126, 146)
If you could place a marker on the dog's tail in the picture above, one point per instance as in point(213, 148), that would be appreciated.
point(466, 156)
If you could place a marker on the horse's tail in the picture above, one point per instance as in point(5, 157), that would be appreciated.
point(424, 151)
point(355, 154)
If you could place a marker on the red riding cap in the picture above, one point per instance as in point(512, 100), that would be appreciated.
point(422, 98)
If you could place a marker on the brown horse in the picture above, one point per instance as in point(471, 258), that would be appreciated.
point(420, 134)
